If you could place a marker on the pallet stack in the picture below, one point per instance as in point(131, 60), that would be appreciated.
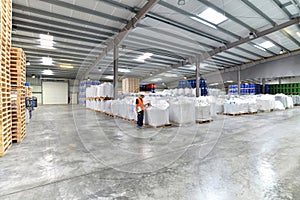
point(5, 98)
point(130, 85)
point(18, 93)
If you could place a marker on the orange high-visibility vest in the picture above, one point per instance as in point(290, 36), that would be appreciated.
point(140, 104)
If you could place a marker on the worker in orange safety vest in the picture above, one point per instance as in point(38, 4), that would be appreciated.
point(140, 107)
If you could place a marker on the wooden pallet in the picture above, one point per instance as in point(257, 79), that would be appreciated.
point(252, 113)
point(234, 114)
point(5, 143)
point(203, 121)
point(161, 126)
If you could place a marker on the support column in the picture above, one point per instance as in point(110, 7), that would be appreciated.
point(197, 78)
point(279, 81)
point(239, 80)
point(263, 82)
point(116, 59)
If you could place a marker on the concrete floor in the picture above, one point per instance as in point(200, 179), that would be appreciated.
point(73, 153)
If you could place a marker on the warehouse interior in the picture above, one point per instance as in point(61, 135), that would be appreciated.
point(221, 81)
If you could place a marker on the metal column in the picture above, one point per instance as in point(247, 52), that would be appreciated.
point(116, 59)
point(279, 81)
point(263, 82)
point(197, 78)
point(239, 80)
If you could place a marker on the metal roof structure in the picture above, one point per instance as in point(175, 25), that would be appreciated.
point(168, 31)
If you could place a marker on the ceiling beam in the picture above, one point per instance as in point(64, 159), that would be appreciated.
point(233, 44)
point(85, 10)
point(123, 34)
point(43, 13)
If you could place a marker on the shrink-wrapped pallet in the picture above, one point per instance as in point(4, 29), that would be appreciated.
point(279, 106)
point(265, 102)
point(182, 111)
point(158, 113)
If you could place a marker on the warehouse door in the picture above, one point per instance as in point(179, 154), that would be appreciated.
point(55, 92)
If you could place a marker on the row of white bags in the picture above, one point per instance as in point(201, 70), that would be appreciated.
point(161, 111)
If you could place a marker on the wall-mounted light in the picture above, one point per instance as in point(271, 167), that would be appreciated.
point(184, 77)
point(27, 63)
point(47, 72)
point(181, 2)
point(32, 76)
point(281, 51)
point(150, 74)
point(252, 35)
point(67, 66)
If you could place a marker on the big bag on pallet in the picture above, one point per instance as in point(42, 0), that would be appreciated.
point(203, 108)
point(158, 113)
point(182, 110)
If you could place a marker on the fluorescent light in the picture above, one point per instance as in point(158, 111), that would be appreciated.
point(203, 22)
point(47, 61)
point(212, 16)
point(48, 72)
point(46, 41)
point(230, 81)
point(266, 44)
point(212, 84)
point(109, 77)
point(298, 33)
point(67, 66)
point(144, 57)
point(46, 37)
point(259, 47)
point(123, 70)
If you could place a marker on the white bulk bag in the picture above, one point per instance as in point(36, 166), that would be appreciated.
point(156, 117)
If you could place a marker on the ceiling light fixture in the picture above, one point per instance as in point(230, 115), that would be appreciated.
point(150, 74)
point(252, 35)
point(266, 44)
point(47, 72)
point(109, 77)
point(281, 51)
point(181, 2)
point(32, 76)
point(47, 61)
point(184, 77)
point(46, 41)
point(259, 47)
point(123, 70)
point(28, 63)
point(99, 69)
point(212, 16)
point(67, 66)
point(204, 22)
point(144, 57)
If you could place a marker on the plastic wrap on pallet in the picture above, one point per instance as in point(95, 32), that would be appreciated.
point(235, 106)
point(182, 110)
point(265, 102)
point(107, 106)
point(279, 106)
point(290, 103)
point(282, 98)
point(116, 107)
point(296, 100)
point(156, 117)
point(203, 108)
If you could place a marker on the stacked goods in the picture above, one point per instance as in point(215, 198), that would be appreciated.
point(82, 90)
point(289, 88)
point(158, 113)
point(5, 98)
point(202, 109)
point(18, 93)
point(100, 91)
point(296, 100)
point(265, 103)
point(236, 106)
point(182, 111)
point(130, 85)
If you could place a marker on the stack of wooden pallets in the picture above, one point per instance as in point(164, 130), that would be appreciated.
point(5, 98)
point(18, 93)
